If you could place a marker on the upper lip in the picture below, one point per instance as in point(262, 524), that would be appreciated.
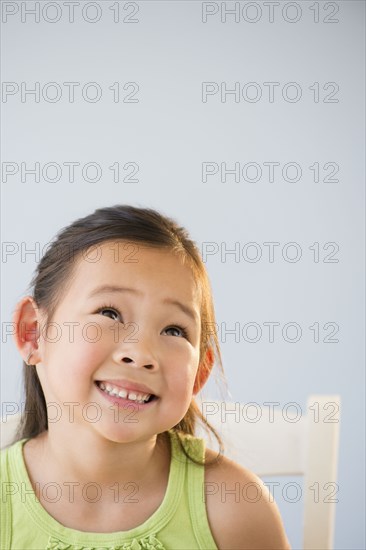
point(128, 385)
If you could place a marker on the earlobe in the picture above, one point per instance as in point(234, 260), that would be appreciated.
point(26, 335)
point(204, 371)
point(26, 361)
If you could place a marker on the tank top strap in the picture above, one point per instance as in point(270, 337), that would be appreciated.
point(195, 489)
point(6, 484)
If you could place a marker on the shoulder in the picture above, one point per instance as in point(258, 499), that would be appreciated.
point(241, 512)
point(10, 454)
point(4, 453)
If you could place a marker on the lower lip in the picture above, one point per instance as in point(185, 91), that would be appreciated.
point(125, 403)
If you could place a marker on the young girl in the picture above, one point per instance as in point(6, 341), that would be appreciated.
point(115, 348)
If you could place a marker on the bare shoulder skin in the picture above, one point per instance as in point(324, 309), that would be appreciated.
point(245, 519)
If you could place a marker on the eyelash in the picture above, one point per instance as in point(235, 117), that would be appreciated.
point(116, 310)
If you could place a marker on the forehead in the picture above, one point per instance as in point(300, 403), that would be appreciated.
point(148, 269)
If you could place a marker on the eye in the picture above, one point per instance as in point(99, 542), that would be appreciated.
point(110, 309)
point(183, 330)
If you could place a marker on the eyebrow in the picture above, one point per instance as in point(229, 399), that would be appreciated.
point(108, 289)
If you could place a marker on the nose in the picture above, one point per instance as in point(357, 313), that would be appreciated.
point(137, 352)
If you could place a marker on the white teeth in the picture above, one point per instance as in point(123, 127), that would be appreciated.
point(133, 396)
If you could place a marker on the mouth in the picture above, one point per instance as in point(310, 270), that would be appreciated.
point(122, 396)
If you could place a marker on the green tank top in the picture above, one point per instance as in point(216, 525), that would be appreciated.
point(180, 522)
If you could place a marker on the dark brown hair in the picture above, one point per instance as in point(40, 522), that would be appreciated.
point(55, 271)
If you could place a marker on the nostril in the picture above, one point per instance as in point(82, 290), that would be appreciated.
point(129, 360)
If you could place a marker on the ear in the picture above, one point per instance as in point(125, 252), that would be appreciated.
point(26, 335)
point(204, 371)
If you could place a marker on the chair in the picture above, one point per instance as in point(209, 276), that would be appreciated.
point(272, 441)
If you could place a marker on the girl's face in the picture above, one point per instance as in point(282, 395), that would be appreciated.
point(88, 341)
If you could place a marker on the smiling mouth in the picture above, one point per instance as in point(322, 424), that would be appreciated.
point(127, 395)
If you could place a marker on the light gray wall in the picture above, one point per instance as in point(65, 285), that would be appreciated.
point(169, 132)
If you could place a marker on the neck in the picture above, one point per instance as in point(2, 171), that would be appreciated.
point(87, 457)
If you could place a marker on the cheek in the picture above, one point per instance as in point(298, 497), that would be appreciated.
point(86, 356)
point(78, 356)
point(88, 338)
point(181, 373)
